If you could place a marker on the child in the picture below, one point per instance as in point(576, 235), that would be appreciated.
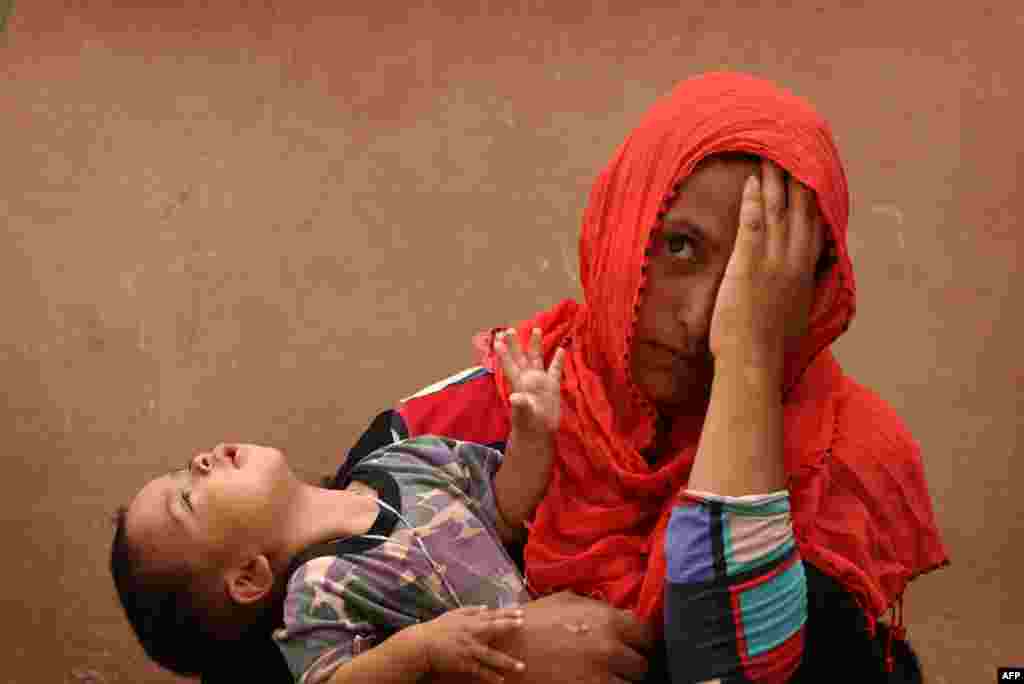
point(408, 558)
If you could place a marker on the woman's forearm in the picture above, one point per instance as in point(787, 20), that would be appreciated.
point(730, 549)
point(740, 448)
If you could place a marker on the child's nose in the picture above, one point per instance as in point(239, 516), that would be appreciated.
point(201, 462)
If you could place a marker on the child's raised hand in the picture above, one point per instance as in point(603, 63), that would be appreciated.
point(535, 392)
point(459, 642)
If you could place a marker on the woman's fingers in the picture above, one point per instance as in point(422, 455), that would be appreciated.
point(776, 211)
point(793, 235)
point(817, 227)
point(468, 664)
point(806, 229)
point(773, 182)
point(750, 236)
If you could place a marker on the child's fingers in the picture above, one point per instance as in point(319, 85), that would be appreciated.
point(555, 371)
point(505, 356)
point(510, 613)
point(492, 659)
point(471, 610)
point(491, 627)
point(536, 357)
point(515, 350)
point(479, 672)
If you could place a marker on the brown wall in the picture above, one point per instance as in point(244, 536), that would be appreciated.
point(268, 223)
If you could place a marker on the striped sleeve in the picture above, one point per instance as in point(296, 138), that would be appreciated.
point(735, 590)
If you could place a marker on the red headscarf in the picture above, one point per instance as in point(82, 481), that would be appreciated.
point(861, 508)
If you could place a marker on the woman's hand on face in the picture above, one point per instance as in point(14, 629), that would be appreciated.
point(765, 298)
point(535, 392)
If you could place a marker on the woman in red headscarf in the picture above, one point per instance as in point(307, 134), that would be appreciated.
point(644, 390)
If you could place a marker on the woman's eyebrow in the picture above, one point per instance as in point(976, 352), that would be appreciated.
point(683, 223)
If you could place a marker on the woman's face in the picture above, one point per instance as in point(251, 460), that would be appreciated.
point(670, 359)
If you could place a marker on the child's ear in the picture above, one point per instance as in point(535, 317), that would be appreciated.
point(250, 581)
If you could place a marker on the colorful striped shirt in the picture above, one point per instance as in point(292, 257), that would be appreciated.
point(736, 593)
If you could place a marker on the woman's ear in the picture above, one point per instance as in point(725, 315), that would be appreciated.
point(250, 581)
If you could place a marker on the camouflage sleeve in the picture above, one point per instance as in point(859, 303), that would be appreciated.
point(321, 631)
point(481, 464)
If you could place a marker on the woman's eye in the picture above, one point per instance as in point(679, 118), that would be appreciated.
point(187, 498)
point(679, 244)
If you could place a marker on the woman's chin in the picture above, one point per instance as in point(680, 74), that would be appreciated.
point(678, 398)
point(687, 407)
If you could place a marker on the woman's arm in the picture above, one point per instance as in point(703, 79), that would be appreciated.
point(735, 592)
point(766, 292)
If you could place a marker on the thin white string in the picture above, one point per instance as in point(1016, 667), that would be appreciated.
point(422, 548)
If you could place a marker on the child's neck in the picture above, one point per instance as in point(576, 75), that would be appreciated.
point(320, 515)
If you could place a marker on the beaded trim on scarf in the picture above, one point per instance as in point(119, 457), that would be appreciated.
point(635, 393)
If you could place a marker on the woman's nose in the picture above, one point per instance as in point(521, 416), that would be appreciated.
point(696, 315)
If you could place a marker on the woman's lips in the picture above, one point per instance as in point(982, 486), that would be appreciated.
point(670, 353)
point(671, 359)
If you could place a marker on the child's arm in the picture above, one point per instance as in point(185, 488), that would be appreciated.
point(536, 410)
point(458, 642)
point(399, 659)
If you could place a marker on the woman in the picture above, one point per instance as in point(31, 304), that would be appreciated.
point(639, 372)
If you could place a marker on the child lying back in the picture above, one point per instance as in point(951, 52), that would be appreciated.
point(408, 558)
